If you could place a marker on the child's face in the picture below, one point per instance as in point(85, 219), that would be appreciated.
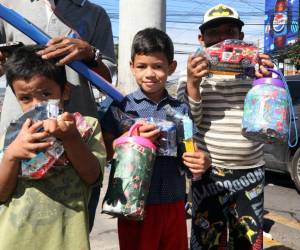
point(151, 72)
point(218, 33)
point(38, 89)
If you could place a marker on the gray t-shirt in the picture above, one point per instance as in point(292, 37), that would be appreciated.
point(92, 24)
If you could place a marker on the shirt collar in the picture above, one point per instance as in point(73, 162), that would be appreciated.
point(139, 95)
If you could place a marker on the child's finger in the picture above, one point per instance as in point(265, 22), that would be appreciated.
point(27, 123)
point(151, 133)
point(66, 116)
point(39, 136)
point(195, 169)
point(195, 163)
point(258, 74)
point(28, 155)
point(39, 146)
point(264, 71)
point(267, 63)
point(147, 128)
point(196, 61)
point(196, 154)
point(50, 125)
point(63, 125)
point(35, 126)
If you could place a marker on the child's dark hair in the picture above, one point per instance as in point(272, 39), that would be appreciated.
point(152, 40)
point(24, 63)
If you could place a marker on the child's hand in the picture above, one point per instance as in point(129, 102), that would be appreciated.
point(28, 142)
point(197, 162)
point(197, 67)
point(264, 62)
point(149, 131)
point(63, 127)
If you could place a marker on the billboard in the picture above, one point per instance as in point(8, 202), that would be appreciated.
point(281, 24)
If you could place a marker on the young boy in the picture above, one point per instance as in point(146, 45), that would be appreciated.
point(228, 200)
point(49, 213)
point(164, 226)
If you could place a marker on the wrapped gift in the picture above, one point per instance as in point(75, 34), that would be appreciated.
point(130, 176)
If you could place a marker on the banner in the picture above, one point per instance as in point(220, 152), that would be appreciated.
point(281, 24)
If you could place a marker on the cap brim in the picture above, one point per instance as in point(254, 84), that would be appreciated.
point(220, 19)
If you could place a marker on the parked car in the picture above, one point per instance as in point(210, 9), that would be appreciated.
point(282, 158)
point(233, 52)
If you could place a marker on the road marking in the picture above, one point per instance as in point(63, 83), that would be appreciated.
point(271, 243)
point(291, 222)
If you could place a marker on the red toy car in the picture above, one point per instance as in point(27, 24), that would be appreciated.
point(234, 52)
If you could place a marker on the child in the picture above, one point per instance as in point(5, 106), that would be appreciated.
point(228, 200)
point(164, 226)
point(49, 213)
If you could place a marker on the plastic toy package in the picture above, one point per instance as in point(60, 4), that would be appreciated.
point(167, 141)
point(231, 57)
point(37, 167)
point(186, 131)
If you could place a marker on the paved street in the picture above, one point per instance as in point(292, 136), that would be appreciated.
point(282, 213)
point(282, 218)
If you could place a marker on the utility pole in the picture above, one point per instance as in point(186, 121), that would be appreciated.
point(134, 16)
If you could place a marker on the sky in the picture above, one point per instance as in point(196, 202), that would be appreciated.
point(184, 17)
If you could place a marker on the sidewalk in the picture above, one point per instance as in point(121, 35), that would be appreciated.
point(104, 235)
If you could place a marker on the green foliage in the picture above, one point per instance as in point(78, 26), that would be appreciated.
point(293, 53)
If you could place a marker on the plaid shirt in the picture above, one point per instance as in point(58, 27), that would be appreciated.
point(167, 184)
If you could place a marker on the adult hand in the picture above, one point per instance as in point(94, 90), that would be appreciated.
point(68, 49)
point(264, 62)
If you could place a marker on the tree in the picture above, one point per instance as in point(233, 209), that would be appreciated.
point(293, 53)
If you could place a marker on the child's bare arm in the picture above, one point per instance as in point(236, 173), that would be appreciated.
point(23, 147)
point(197, 67)
point(81, 157)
